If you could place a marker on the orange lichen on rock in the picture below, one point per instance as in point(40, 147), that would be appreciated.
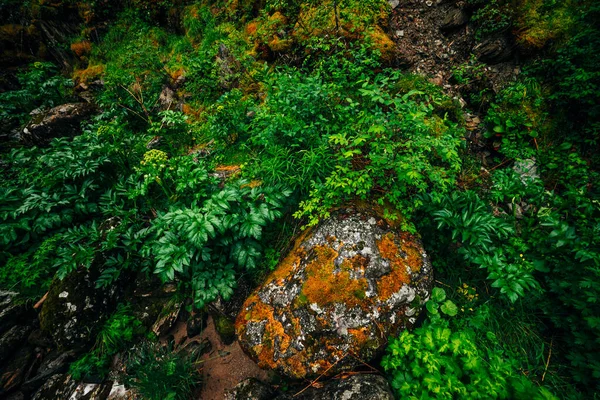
point(361, 336)
point(274, 330)
point(325, 286)
point(399, 259)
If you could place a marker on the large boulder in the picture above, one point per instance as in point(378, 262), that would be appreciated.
point(331, 304)
point(62, 121)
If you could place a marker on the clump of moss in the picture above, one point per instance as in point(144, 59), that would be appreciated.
point(225, 328)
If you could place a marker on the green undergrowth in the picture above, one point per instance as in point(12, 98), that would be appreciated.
point(224, 133)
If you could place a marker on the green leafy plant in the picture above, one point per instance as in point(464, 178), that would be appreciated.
point(41, 86)
point(439, 362)
point(209, 242)
point(116, 335)
point(156, 372)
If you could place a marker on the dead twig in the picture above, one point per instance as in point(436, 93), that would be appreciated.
point(320, 376)
point(547, 360)
point(41, 301)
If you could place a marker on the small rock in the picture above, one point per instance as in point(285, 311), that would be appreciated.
point(225, 328)
point(251, 388)
point(16, 370)
point(167, 317)
point(454, 19)
point(53, 363)
point(74, 319)
point(118, 391)
point(494, 50)
point(394, 3)
point(167, 99)
point(527, 170)
point(356, 387)
point(9, 311)
point(196, 324)
point(10, 341)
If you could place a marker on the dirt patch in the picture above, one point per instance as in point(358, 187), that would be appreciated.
point(225, 366)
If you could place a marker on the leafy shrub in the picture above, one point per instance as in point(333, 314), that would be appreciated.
point(439, 362)
point(117, 333)
point(395, 149)
point(209, 242)
point(492, 17)
point(157, 373)
point(482, 240)
point(41, 86)
point(516, 119)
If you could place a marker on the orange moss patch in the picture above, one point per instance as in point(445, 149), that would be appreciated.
point(228, 168)
point(253, 183)
point(280, 45)
point(398, 277)
point(91, 73)
point(252, 28)
point(189, 110)
point(176, 74)
point(290, 263)
point(382, 42)
point(323, 286)
point(278, 18)
point(82, 48)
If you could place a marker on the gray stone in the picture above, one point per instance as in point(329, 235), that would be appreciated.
point(344, 288)
point(75, 308)
point(251, 388)
point(455, 18)
point(527, 170)
point(9, 310)
point(16, 369)
point(62, 386)
point(62, 121)
point(53, 363)
point(357, 387)
point(494, 50)
point(10, 341)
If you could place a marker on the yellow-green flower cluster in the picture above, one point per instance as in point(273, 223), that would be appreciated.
point(155, 158)
point(469, 293)
point(103, 130)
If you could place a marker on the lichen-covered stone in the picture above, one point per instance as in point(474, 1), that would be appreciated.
point(61, 386)
point(75, 309)
point(251, 388)
point(333, 301)
point(357, 387)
